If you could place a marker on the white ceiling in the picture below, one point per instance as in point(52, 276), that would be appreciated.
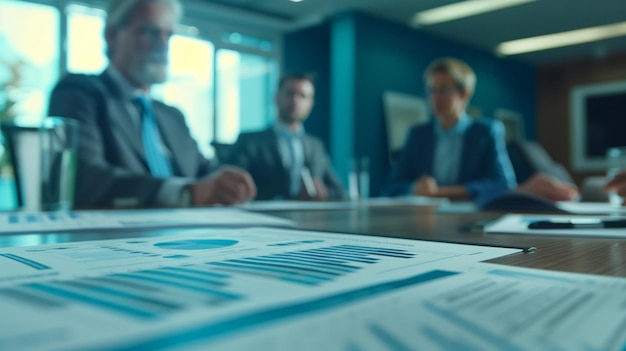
point(484, 31)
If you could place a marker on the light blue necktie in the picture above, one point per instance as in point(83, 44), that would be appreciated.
point(157, 162)
point(297, 162)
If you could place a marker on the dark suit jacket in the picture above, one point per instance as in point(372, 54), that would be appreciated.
point(258, 153)
point(485, 165)
point(112, 169)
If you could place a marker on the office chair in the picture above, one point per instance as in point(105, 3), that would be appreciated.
point(10, 185)
point(529, 157)
point(223, 151)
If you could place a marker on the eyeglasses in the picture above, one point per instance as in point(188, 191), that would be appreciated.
point(443, 91)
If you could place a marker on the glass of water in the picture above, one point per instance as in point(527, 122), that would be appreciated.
point(616, 162)
point(59, 142)
point(359, 179)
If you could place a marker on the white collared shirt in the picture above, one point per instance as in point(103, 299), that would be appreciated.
point(291, 149)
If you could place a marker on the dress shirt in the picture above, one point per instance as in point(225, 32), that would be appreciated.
point(291, 151)
point(448, 151)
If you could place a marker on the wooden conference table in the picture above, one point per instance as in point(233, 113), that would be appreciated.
point(582, 255)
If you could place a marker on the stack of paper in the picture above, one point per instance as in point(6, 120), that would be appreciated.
point(590, 208)
point(580, 226)
point(290, 205)
point(272, 289)
point(37, 222)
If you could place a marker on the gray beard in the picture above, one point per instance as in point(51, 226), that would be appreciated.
point(151, 73)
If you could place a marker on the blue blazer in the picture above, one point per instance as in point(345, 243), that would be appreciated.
point(485, 170)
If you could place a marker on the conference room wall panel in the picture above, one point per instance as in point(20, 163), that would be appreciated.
point(553, 107)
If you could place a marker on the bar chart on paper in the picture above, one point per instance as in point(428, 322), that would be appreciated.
point(286, 290)
point(152, 293)
point(481, 307)
point(139, 288)
point(314, 266)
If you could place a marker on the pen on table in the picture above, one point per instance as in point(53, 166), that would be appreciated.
point(523, 248)
point(309, 184)
point(579, 224)
point(526, 249)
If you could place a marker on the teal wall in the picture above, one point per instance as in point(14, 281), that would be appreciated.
point(365, 56)
point(308, 50)
point(256, 106)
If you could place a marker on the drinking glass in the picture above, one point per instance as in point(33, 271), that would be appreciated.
point(58, 147)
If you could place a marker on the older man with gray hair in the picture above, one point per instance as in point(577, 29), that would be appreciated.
point(135, 151)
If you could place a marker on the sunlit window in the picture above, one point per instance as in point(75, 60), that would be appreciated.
point(245, 86)
point(220, 91)
point(29, 56)
point(85, 41)
point(190, 86)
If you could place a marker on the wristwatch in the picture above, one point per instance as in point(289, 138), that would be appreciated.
point(184, 198)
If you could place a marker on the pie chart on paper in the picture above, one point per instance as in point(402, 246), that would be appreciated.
point(196, 244)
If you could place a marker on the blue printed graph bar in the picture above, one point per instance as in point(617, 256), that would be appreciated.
point(154, 293)
point(101, 253)
point(13, 218)
point(79, 295)
point(108, 253)
point(18, 218)
point(24, 296)
point(147, 294)
point(215, 330)
point(25, 261)
point(312, 266)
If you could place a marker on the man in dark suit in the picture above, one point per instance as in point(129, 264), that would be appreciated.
point(134, 151)
point(284, 161)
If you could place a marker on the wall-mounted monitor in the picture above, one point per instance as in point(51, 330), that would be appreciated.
point(598, 122)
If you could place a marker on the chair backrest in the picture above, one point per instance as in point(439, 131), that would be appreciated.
point(26, 145)
point(402, 112)
point(529, 157)
point(10, 179)
point(223, 151)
